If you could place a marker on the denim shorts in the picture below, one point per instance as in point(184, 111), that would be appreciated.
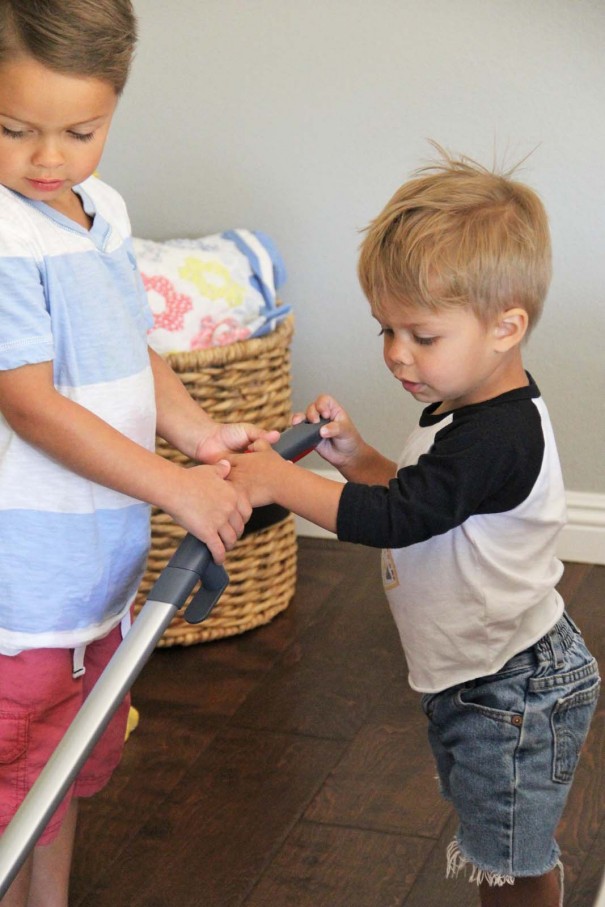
point(506, 748)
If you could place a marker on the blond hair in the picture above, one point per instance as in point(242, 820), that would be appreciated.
point(459, 234)
point(89, 38)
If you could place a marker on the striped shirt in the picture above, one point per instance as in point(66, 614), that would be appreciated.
point(72, 552)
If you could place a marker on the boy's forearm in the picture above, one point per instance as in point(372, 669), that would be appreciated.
point(86, 444)
point(180, 420)
point(370, 468)
point(312, 497)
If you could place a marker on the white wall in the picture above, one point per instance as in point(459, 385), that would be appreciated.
point(301, 119)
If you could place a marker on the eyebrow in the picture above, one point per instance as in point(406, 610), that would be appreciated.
point(414, 325)
point(90, 122)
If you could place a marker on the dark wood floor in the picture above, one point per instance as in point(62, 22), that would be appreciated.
point(289, 766)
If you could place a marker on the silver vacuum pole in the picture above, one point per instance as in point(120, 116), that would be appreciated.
point(191, 564)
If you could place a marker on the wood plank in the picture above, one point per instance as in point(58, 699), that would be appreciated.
point(585, 809)
point(211, 840)
point(323, 866)
point(432, 888)
point(586, 607)
point(386, 782)
point(157, 758)
point(217, 676)
point(331, 679)
point(583, 892)
point(574, 575)
point(581, 833)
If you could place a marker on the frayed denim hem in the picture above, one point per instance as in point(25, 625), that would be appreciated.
point(457, 862)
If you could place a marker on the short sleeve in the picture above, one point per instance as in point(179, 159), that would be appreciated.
point(25, 327)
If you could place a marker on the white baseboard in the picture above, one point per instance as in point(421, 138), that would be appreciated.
point(582, 539)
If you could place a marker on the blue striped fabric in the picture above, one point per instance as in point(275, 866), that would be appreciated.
point(71, 552)
point(268, 273)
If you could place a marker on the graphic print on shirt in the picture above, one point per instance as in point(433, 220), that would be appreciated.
point(390, 578)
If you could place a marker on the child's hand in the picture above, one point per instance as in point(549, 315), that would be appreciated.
point(236, 436)
point(212, 509)
point(267, 478)
point(258, 474)
point(342, 445)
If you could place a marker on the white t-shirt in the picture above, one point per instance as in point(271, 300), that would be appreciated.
point(469, 528)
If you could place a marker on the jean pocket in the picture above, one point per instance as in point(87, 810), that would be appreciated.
point(570, 723)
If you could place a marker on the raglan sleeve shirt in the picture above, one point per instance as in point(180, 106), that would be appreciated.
point(468, 527)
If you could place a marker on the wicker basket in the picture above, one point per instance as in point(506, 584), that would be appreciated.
point(248, 381)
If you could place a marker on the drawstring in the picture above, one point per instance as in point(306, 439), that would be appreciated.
point(78, 669)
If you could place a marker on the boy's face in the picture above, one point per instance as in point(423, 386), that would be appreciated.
point(449, 355)
point(53, 129)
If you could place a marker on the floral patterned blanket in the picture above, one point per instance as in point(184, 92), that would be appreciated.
point(211, 291)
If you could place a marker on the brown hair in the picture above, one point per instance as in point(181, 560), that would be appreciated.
point(459, 234)
point(94, 38)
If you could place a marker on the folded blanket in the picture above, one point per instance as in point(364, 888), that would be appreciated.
point(211, 291)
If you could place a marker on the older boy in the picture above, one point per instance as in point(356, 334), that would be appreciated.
point(456, 269)
point(79, 396)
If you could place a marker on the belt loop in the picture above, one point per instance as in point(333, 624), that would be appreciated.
point(571, 623)
point(556, 644)
point(78, 669)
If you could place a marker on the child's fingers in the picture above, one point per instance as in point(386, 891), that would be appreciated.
point(327, 407)
point(259, 445)
point(216, 548)
point(222, 468)
point(331, 431)
point(311, 413)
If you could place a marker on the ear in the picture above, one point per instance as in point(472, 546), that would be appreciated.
point(510, 329)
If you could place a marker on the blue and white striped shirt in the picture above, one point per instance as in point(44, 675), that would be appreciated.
point(72, 552)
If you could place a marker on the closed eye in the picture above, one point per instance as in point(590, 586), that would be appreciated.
point(82, 136)
point(12, 133)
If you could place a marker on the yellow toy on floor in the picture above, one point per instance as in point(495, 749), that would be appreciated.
point(132, 722)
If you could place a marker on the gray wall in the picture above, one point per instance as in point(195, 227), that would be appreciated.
point(301, 119)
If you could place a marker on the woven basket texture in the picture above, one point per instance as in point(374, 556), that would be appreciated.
point(248, 381)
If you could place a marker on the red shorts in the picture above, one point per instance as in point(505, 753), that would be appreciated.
point(39, 698)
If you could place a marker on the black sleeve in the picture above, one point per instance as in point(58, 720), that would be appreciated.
point(485, 461)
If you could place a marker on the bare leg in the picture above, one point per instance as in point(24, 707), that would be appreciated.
point(16, 896)
point(541, 891)
point(49, 885)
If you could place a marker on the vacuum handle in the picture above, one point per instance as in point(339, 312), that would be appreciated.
point(299, 440)
point(192, 563)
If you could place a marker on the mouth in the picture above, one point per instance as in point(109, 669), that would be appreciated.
point(412, 387)
point(46, 185)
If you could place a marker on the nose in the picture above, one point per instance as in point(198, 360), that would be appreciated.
point(47, 154)
point(398, 352)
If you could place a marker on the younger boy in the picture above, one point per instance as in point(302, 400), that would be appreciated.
point(79, 396)
point(456, 270)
